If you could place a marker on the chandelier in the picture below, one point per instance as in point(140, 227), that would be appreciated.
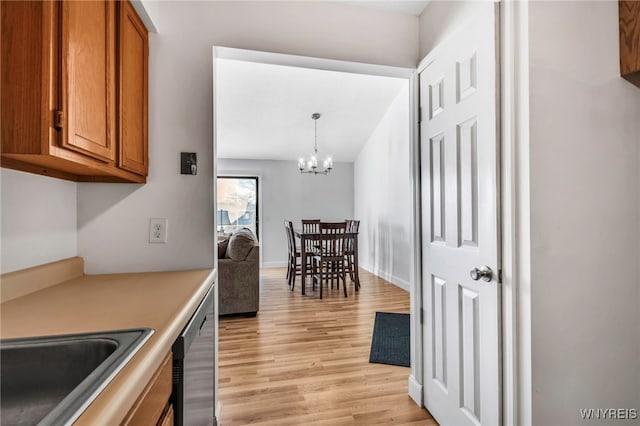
point(311, 165)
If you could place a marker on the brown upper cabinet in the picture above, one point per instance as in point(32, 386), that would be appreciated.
point(74, 90)
point(629, 18)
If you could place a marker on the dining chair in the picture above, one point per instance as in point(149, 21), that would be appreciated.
point(294, 268)
point(350, 250)
point(329, 259)
point(294, 264)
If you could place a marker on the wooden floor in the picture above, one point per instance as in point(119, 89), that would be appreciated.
point(305, 361)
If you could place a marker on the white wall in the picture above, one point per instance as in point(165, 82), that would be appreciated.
point(288, 195)
point(113, 219)
point(585, 214)
point(383, 195)
point(440, 18)
point(38, 220)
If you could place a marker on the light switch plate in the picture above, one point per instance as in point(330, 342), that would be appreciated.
point(158, 230)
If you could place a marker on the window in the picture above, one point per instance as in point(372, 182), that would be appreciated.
point(237, 204)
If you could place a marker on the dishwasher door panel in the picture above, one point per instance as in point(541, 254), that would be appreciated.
point(199, 377)
point(193, 368)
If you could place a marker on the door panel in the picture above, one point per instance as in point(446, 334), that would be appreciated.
point(468, 189)
point(133, 69)
point(437, 189)
point(88, 77)
point(469, 339)
point(459, 163)
point(439, 311)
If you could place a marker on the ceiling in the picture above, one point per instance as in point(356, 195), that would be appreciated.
point(414, 8)
point(264, 110)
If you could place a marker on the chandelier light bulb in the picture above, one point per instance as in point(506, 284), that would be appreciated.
point(328, 163)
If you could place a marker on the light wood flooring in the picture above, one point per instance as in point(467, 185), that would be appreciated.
point(305, 361)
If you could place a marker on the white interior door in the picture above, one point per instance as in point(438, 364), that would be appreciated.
point(459, 174)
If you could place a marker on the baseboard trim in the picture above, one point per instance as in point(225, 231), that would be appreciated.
point(415, 390)
point(276, 264)
point(398, 282)
point(216, 418)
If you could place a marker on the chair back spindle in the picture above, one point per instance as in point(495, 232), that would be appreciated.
point(310, 225)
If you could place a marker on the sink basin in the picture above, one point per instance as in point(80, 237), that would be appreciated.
point(52, 380)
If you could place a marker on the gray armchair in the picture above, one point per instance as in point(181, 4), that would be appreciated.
point(239, 274)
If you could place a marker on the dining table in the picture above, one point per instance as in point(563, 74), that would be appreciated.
point(306, 236)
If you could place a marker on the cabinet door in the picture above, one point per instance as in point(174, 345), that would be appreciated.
point(152, 404)
point(88, 77)
point(134, 53)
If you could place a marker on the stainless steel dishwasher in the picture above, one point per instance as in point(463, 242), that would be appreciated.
point(193, 368)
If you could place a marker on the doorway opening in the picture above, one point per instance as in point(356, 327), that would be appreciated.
point(250, 139)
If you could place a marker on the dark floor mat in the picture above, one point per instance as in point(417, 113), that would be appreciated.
point(391, 339)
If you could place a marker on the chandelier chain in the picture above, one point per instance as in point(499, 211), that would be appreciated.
point(315, 145)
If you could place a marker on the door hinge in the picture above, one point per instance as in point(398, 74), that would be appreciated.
point(419, 114)
point(421, 315)
point(58, 119)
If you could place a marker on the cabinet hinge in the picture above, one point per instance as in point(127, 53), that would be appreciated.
point(58, 119)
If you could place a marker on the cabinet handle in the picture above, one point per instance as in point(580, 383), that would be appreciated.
point(202, 325)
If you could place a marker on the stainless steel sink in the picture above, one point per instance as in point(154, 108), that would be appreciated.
point(52, 380)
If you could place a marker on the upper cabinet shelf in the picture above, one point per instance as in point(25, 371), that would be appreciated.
point(629, 17)
point(75, 90)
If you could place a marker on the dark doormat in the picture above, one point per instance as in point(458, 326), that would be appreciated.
point(390, 343)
